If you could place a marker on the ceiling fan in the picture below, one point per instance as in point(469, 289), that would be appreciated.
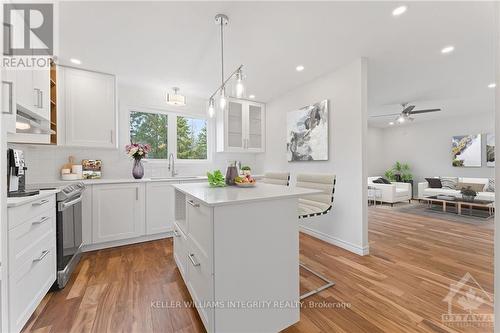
point(406, 114)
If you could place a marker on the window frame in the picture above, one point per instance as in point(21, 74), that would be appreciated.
point(172, 134)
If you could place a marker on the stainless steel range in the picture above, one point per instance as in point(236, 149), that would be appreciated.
point(69, 231)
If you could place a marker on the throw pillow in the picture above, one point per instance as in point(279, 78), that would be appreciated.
point(378, 181)
point(491, 185)
point(385, 180)
point(449, 182)
point(434, 182)
point(473, 186)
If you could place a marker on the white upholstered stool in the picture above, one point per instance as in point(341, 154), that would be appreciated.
point(277, 178)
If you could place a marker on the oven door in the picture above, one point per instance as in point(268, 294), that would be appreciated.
point(69, 230)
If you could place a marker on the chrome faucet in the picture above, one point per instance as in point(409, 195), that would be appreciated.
point(171, 165)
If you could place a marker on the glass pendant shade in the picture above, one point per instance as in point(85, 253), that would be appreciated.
point(211, 108)
point(222, 99)
point(239, 88)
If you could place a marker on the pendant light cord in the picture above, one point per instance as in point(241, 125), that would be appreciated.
point(222, 50)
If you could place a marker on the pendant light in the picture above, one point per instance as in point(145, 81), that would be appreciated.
point(222, 20)
point(176, 98)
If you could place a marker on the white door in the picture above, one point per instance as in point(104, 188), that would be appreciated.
point(89, 107)
point(159, 207)
point(117, 212)
point(255, 131)
point(235, 131)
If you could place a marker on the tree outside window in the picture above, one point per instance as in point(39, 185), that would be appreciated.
point(191, 138)
point(150, 128)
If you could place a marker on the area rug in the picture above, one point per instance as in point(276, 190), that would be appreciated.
point(423, 210)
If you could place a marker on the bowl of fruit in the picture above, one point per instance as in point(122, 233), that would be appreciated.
point(245, 181)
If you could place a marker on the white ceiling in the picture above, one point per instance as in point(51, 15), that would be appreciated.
point(166, 44)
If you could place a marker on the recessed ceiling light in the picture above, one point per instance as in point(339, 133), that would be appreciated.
point(299, 68)
point(391, 123)
point(448, 49)
point(399, 10)
point(492, 85)
point(75, 61)
point(251, 96)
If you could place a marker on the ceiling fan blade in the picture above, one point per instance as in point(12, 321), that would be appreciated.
point(408, 109)
point(425, 111)
point(385, 115)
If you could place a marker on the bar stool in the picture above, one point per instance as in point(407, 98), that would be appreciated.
point(314, 206)
point(277, 178)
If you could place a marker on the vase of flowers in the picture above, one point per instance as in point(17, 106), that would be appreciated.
point(138, 151)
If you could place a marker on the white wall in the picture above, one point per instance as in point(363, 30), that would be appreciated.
point(44, 162)
point(426, 146)
point(346, 225)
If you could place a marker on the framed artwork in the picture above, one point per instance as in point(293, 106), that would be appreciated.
point(307, 133)
point(490, 150)
point(466, 150)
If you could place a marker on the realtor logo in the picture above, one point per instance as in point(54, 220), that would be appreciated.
point(28, 29)
point(469, 305)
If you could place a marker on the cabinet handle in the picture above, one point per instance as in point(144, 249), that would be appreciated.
point(43, 219)
point(40, 258)
point(41, 99)
point(192, 203)
point(176, 233)
point(112, 138)
point(193, 260)
point(136, 193)
point(36, 96)
point(39, 203)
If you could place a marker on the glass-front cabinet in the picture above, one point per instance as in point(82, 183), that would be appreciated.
point(241, 127)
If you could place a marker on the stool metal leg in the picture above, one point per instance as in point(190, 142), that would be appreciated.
point(317, 290)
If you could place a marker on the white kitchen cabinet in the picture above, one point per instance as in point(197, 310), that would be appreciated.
point(241, 127)
point(33, 92)
point(159, 207)
point(87, 108)
point(117, 212)
point(31, 257)
point(9, 100)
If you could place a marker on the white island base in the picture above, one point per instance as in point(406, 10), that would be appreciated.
point(238, 253)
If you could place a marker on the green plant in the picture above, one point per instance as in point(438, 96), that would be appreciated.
point(399, 170)
point(245, 168)
point(216, 179)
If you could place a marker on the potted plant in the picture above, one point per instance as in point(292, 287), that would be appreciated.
point(400, 172)
point(468, 194)
point(246, 170)
point(137, 151)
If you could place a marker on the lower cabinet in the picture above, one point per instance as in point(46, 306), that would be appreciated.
point(159, 207)
point(31, 258)
point(118, 212)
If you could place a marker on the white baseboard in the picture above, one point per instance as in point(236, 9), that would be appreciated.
point(121, 242)
point(362, 251)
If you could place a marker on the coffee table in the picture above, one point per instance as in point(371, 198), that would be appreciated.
point(460, 206)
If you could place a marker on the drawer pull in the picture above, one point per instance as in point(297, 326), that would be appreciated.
point(192, 203)
point(40, 258)
point(43, 219)
point(41, 202)
point(193, 260)
point(176, 233)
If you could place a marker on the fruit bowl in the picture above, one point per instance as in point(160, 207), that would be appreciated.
point(246, 184)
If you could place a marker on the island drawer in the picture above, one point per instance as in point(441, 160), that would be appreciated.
point(200, 225)
point(180, 250)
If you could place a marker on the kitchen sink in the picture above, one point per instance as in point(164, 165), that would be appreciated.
point(178, 178)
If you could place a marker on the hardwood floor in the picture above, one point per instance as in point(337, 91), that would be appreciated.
point(399, 287)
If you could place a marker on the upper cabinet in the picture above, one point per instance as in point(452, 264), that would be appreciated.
point(86, 108)
point(33, 92)
point(241, 127)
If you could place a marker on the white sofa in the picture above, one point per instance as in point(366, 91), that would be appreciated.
point(392, 193)
point(425, 191)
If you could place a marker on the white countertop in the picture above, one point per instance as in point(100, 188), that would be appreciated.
point(18, 201)
point(234, 195)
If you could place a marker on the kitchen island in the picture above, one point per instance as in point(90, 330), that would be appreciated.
point(237, 250)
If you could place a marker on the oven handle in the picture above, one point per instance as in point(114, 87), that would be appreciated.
point(64, 205)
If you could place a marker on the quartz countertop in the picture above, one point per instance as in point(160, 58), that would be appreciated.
point(219, 196)
point(18, 201)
